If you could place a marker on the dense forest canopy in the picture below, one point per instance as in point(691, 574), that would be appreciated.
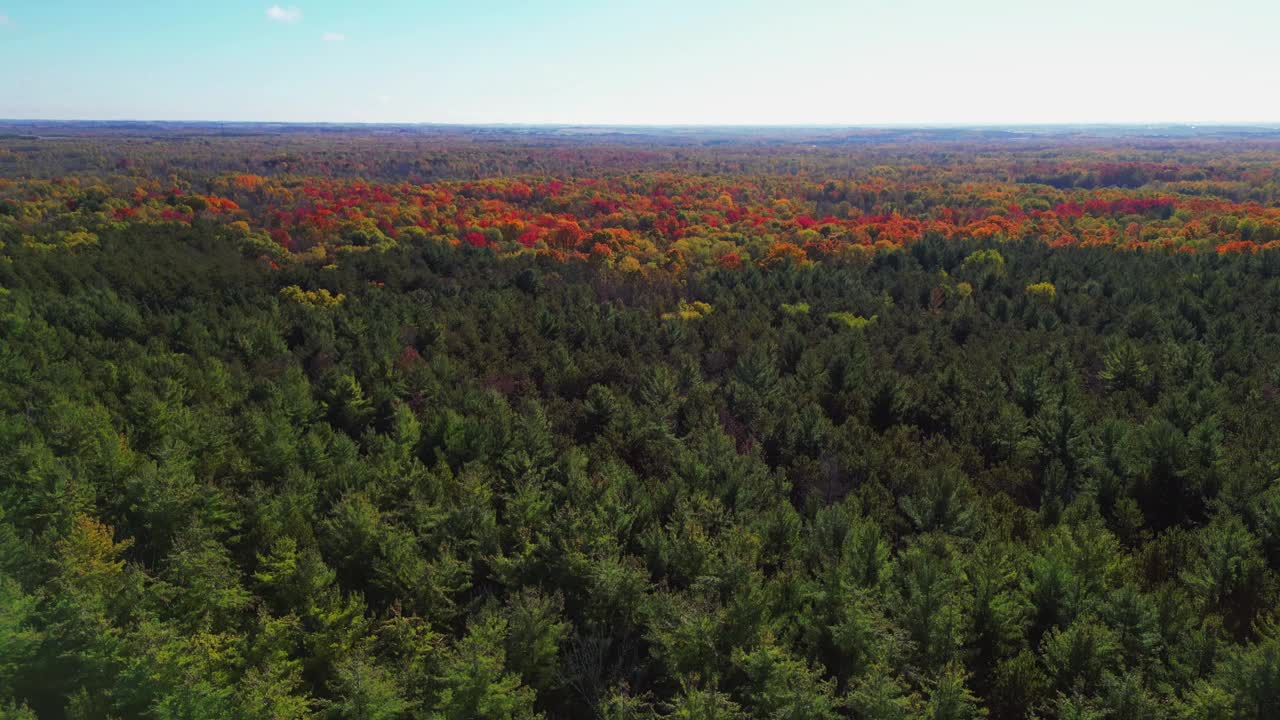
point(516, 423)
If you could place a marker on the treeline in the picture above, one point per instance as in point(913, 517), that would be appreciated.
point(1085, 158)
point(961, 479)
point(641, 223)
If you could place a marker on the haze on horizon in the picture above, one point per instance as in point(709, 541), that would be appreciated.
point(713, 62)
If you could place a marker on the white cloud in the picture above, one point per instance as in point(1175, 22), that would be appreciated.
point(290, 14)
point(6, 21)
point(333, 37)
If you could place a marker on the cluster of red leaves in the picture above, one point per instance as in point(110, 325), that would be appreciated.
point(657, 219)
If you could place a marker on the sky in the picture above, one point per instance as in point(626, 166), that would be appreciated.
point(748, 62)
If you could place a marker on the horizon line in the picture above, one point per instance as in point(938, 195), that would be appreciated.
point(1275, 124)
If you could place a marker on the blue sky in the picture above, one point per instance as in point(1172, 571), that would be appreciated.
point(659, 61)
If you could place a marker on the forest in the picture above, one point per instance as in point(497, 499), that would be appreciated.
point(396, 423)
